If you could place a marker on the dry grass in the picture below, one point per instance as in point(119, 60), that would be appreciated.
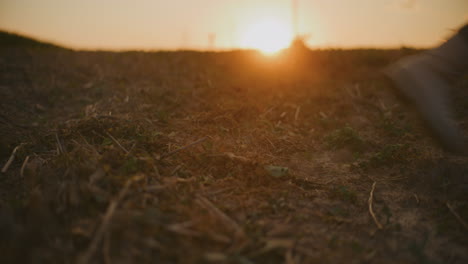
point(90, 121)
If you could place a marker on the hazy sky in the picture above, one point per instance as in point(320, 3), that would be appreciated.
point(172, 24)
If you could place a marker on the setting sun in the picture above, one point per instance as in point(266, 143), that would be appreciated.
point(269, 35)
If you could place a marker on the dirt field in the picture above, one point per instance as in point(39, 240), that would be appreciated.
point(232, 157)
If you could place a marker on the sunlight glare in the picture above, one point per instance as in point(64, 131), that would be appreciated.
point(269, 35)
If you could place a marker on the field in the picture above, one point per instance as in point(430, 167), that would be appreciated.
point(221, 157)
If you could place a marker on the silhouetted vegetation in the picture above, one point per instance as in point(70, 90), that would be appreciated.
point(8, 39)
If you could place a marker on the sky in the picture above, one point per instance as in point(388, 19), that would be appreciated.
point(176, 24)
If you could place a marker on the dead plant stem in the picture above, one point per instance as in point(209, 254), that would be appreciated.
point(371, 211)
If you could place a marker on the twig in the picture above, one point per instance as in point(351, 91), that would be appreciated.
point(24, 166)
point(371, 211)
point(11, 159)
point(117, 142)
point(233, 156)
point(462, 222)
point(87, 143)
point(229, 222)
point(131, 148)
point(106, 248)
point(268, 111)
point(60, 147)
point(184, 147)
point(156, 170)
point(86, 256)
point(177, 169)
point(107, 116)
point(296, 115)
point(183, 229)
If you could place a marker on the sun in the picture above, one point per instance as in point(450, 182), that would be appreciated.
point(269, 35)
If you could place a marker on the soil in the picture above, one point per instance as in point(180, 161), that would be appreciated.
point(221, 157)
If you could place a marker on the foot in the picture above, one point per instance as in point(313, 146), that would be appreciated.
point(418, 79)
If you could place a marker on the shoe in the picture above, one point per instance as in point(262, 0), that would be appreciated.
point(419, 80)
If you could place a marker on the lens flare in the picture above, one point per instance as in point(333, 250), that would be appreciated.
point(268, 35)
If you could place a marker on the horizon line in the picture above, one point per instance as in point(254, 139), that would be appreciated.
point(201, 48)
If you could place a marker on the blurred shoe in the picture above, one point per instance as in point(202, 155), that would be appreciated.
point(426, 80)
point(427, 90)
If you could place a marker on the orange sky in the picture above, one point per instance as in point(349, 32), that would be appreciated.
point(173, 24)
